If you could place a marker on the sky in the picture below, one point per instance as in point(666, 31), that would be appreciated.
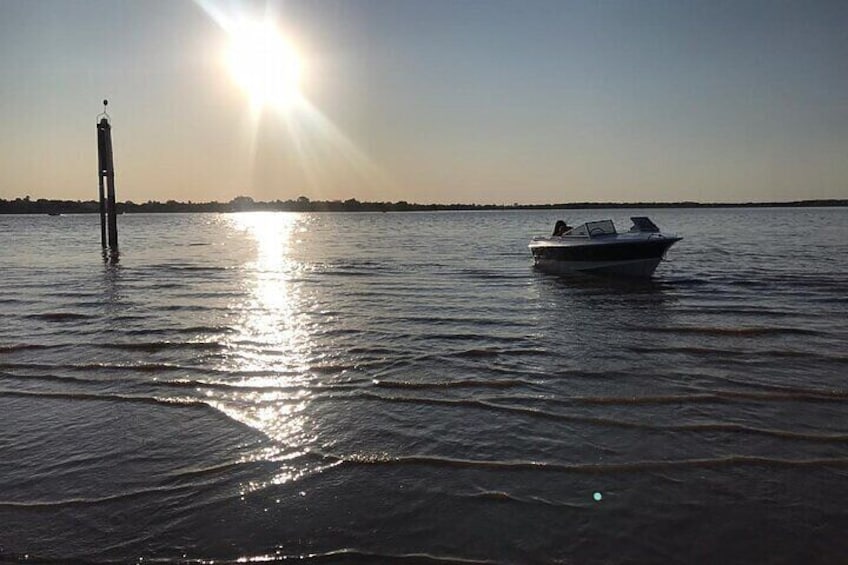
point(432, 101)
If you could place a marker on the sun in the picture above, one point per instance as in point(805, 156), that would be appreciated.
point(265, 65)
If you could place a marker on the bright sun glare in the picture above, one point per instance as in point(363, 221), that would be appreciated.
point(268, 67)
point(265, 65)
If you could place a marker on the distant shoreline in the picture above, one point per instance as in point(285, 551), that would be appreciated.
point(303, 204)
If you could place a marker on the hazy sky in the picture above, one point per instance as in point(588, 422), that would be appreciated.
point(433, 101)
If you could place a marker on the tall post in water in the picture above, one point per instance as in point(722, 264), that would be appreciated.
point(106, 175)
point(100, 169)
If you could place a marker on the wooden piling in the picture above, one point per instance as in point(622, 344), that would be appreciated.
point(100, 179)
point(106, 175)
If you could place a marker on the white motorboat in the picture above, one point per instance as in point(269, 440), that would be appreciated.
point(596, 247)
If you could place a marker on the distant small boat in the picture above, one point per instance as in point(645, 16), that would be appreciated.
point(53, 214)
point(596, 247)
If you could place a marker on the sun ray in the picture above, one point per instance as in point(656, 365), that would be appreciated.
point(269, 69)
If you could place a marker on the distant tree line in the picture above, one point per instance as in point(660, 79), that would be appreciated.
point(303, 204)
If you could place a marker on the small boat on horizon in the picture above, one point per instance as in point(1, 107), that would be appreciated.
point(596, 247)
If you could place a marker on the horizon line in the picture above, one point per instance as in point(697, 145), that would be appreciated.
point(26, 205)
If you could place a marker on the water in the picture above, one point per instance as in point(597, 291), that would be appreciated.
point(405, 387)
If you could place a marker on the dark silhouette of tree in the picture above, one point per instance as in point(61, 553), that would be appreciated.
point(26, 205)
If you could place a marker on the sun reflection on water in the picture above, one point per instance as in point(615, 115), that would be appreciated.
point(270, 320)
point(267, 356)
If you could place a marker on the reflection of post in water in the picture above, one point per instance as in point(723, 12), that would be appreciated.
point(111, 256)
point(112, 300)
point(106, 174)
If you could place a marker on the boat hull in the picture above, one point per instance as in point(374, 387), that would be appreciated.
point(642, 268)
point(635, 258)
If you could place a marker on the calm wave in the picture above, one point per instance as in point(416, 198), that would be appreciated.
point(406, 388)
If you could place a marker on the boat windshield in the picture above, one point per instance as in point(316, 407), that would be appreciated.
point(594, 229)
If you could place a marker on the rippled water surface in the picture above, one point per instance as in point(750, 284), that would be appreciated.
point(386, 387)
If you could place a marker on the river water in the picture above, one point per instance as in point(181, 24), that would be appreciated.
point(406, 387)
